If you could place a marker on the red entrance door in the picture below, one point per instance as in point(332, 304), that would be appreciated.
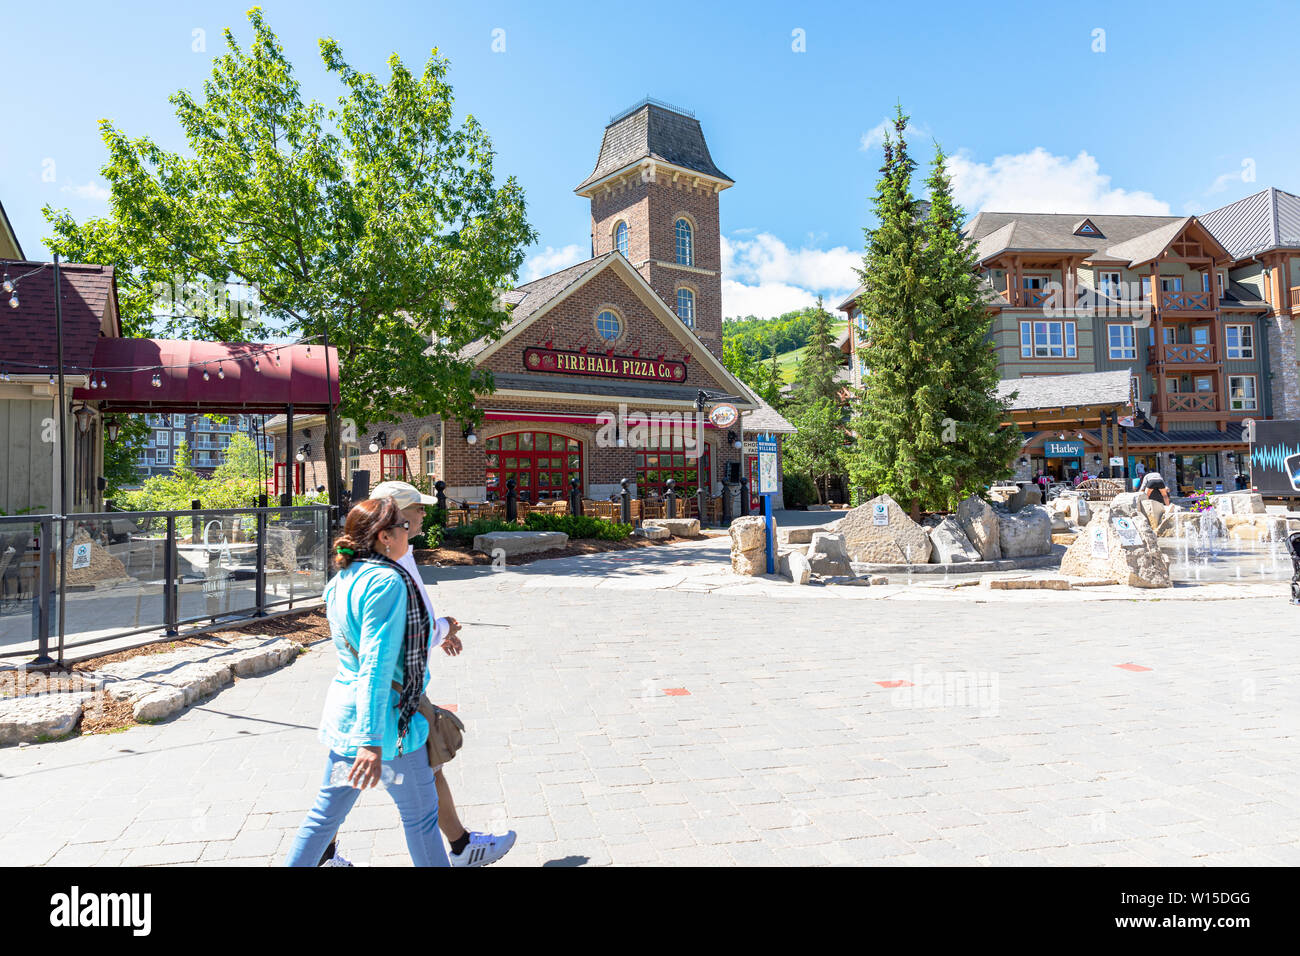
point(755, 499)
point(541, 463)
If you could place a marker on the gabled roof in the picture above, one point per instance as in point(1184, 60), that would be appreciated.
point(531, 297)
point(653, 131)
point(1131, 240)
point(8, 238)
point(852, 301)
point(543, 293)
point(28, 334)
point(1268, 219)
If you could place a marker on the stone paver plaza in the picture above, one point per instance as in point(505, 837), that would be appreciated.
point(630, 712)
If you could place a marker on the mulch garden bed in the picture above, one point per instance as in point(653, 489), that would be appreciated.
point(449, 556)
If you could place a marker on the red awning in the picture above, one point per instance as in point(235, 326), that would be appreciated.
point(252, 378)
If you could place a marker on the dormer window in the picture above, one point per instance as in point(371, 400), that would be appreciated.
point(1088, 229)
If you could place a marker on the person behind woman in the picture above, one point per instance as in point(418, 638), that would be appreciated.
point(1153, 487)
point(381, 631)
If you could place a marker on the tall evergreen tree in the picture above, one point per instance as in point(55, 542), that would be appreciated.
point(899, 421)
point(929, 423)
point(976, 448)
point(818, 362)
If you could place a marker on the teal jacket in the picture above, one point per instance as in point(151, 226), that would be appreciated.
point(366, 603)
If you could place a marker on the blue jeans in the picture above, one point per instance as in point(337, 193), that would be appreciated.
point(417, 802)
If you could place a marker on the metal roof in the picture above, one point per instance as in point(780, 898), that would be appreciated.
point(1268, 219)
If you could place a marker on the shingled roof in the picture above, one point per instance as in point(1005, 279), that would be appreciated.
point(1268, 219)
point(652, 131)
point(1129, 239)
point(28, 334)
point(1067, 391)
point(532, 296)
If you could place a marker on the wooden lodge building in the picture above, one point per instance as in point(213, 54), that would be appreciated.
point(602, 366)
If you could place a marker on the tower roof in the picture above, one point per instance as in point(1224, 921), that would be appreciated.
point(651, 130)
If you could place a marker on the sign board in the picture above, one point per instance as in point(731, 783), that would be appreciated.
point(1275, 457)
point(1116, 461)
point(751, 446)
point(603, 364)
point(1098, 532)
point(1127, 531)
point(80, 556)
point(880, 513)
point(767, 468)
point(724, 415)
point(1126, 421)
point(1062, 449)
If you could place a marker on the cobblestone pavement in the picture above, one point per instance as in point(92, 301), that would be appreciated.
point(616, 720)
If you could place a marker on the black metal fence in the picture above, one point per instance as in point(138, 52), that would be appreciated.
point(134, 572)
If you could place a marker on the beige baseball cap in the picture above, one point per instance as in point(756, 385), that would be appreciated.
point(403, 494)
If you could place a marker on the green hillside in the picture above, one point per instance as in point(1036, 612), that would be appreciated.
point(788, 362)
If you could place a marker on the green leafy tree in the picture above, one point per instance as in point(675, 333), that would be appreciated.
point(378, 221)
point(928, 423)
point(242, 460)
point(816, 449)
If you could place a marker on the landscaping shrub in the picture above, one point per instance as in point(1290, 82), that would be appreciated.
point(799, 489)
point(578, 526)
point(465, 534)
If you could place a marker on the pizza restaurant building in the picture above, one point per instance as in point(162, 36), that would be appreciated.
point(607, 370)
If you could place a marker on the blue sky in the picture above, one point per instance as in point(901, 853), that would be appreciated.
point(1169, 110)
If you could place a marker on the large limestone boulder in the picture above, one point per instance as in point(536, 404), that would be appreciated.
point(828, 554)
point(1025, 533)
point(519, 542)
point(39, 717)
point(979, 522)
point(794, 566)
point(1154, 510)
point(897, 541)
point(1239, 503)
point(748, 533)
point(1259, 527)
point(751, 562)
point(680, 527)
point(1105, 551)
point(951, 546)
point(1181, 523)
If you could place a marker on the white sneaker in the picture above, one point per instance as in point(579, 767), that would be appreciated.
point(483, 849)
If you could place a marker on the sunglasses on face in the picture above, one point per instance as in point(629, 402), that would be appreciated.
point(404, 525)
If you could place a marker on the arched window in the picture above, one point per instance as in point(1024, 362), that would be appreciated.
point(608, 325)
point(430, 451)
point(686, 307)
point(620, 238)
point(685, 243)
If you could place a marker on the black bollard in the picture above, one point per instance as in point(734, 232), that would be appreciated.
point(670, 495)
point(626, 497)
point(439, 487)
point(512, 501)
point(575, 497)
point(700, 498)
point(744, 497)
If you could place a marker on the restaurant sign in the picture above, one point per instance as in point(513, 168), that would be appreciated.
point(609, 366)
point(1062, 449)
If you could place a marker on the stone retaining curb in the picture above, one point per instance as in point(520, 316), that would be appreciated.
point(1034, 563)
point(157, 685)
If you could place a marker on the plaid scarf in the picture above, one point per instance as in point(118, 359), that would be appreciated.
point(415, 646)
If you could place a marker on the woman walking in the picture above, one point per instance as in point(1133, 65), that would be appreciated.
point(371, 723)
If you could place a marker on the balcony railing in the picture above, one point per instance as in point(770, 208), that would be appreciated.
point(1177, 301)
point(1187, 354)
point(1192, 401)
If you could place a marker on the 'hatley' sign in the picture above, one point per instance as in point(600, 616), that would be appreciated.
point(1062, 449)
point(610, 366)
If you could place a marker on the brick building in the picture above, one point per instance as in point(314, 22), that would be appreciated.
point(602, 366)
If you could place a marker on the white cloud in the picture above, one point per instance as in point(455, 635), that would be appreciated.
point(1038, 181)
point(551, 260)
point(874, 138)
point(762, 276)
point(91, 190)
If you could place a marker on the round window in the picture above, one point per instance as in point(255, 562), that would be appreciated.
point(608, 325)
